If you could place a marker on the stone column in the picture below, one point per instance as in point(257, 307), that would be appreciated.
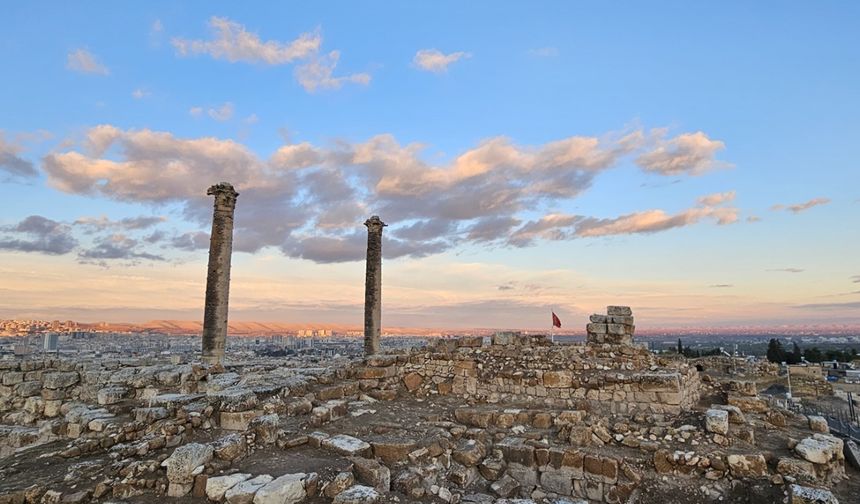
point(373, 286)
point(218, 278)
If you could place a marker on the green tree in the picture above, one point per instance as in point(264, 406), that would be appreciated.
point(680, 347)
point(795, 356)
point(775, 352)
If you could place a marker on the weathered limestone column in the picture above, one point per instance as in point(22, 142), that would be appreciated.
point(218, 278)
point(373, 286)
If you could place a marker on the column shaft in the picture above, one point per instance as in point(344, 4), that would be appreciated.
point(373, 286)
point(218, 277)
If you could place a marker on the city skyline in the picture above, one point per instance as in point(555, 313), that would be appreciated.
point(569, 160)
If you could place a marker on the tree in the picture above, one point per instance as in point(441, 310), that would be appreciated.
point(775, 352)
point(795, 356)
point(680, 347)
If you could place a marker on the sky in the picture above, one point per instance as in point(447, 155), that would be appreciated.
point(696, 162)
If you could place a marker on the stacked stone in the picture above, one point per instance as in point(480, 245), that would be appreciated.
point(614, 328)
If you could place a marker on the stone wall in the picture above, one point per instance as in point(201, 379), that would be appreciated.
point(513, 368)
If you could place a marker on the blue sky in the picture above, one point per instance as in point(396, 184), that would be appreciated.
point(666, 103)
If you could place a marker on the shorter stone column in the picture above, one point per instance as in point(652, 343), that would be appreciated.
point(373, 286)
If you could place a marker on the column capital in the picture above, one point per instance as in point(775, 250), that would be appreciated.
point(223, 189)
point(375, 224)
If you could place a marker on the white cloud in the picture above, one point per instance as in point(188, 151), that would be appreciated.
point(156, 26)
point(81, 60)
point(687, 153)
point(232, 42)
point(544, 52)
point(433, 60)
point(140, 93)
point(196, 111)
point(222, 113)
point(317, 74)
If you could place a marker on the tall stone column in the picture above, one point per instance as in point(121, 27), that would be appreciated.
point(373, 286)
point(218, 278)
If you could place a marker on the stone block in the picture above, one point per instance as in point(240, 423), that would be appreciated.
point(346, 445)
point(237, 421)
point(807, 495)
point(372, 473)
point(557, 379)
point(624, 311)
point(717, 421)
point(287, 489)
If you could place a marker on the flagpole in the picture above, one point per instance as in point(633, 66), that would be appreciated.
point(552, 325)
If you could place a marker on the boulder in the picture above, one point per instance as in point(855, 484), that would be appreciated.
point(288, 489)
point(818, 424)
point(717, 421)
point(358, 494)
point(346, 445)
point(230, 447)
point(184, 460)
point(506, 486)
point(747, 466)
point(807, 495)
point(372, 473)
point(243, 493)
point(820, 448)
point(341, 482)
point(217, 486)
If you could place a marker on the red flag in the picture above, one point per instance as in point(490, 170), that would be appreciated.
point(556, 322)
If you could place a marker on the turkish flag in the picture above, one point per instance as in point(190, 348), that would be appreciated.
point(556, 322)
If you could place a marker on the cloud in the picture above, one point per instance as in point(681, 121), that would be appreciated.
point(232, 42)
point(717, 198)
point(140, 93)
point(855, 279)
point(753, 218)
point(687, 153)
point(721, 286)
point(801, 207)
point(788, 270)
point(222, 113)
point(433, 60)
point(115, 246)
point(38, 234)
point(11, 162)
point(196, 111)
point(543, 52)
point(317, 74)
point(129, 223)
point(309, 201)
point(652, 221)
point(829, 306)
point(81, 60)
point(195, 240)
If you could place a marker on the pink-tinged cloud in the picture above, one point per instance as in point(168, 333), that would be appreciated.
point(652, 221)
point(717, 198)
point(232, 42)
point(434, 60)
point(801, 207)
point(307, 200)
point(685, 154)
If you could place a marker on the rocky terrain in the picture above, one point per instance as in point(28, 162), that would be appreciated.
point(502, 419)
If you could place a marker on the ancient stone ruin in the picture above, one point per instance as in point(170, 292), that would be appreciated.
point(218, 277)
point(373, 286)
point(510, 418)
